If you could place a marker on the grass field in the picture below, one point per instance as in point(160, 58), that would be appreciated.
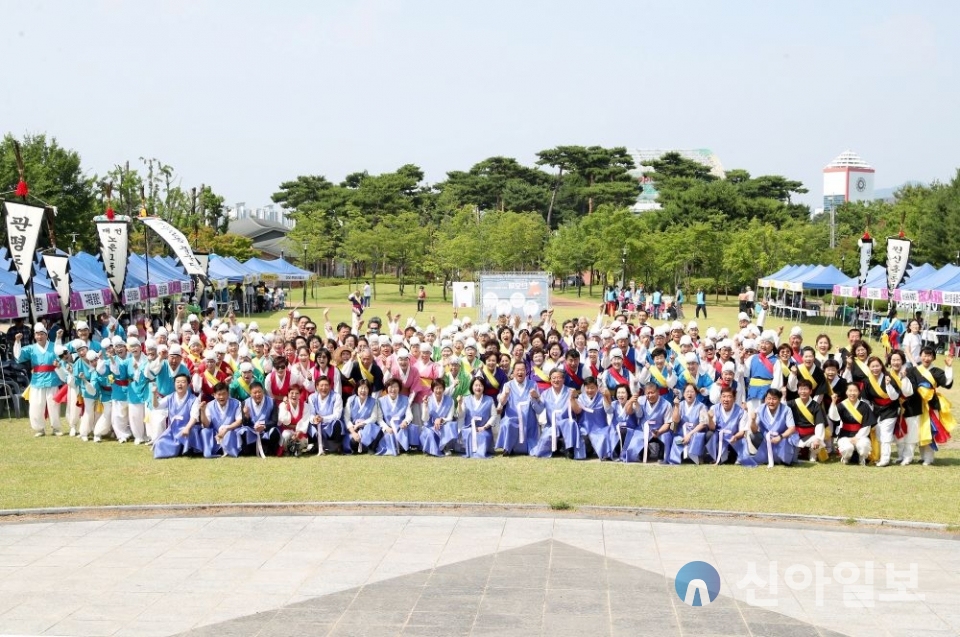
point(53, 471)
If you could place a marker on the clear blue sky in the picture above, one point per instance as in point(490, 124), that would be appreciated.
point(242, 95)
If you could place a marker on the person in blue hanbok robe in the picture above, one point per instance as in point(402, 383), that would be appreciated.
point(727, 424)
point(561, 431)
point(439, 429)
point(222, 418)
point(326, 424)
point(395, 417)
point(623, 415)
point(362, 418)
point(773, 436)
point(690, 423)
point(520, 404)
point(652, 425)
point(180, 433)
point(478, 414)
point(595, 410)
point(260, 414)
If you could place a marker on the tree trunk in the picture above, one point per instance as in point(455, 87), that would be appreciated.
point(553, 197)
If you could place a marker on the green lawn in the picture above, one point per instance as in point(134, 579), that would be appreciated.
point(51, 471)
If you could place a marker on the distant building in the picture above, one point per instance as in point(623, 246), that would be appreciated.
point(847, 178)
point(270, 213)
point(269, 238)
point(643, 158)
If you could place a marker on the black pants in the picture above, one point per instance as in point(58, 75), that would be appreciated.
point(420, 305)
point(702, 307)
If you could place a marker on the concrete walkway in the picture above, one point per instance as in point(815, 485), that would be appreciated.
point(448, 575)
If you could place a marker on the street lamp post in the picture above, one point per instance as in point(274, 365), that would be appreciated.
point(304, 267)
point(843, 263)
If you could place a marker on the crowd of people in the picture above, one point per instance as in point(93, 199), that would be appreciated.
point(614, 387)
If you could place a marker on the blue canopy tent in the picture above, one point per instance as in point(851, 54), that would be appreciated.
point(250, 275)
point(824, 279)
point(279, 268)
point(219, 268)
point(781, 282)
point(767, 280)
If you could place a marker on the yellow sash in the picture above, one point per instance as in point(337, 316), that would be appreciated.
point(658, 375)
point(689, 378)
point(539, 373)
point(213, 380)
point(863, 367)
point(875, 384)
point(853, 411)
point(490, 378)
point(243, 385)
point(947, 419)
point(366, 373)
point(807, 375)
point(675, 346)
point(805, 411)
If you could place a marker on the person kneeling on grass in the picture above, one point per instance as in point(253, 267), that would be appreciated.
point(772, 438)
point(180, 435)
point(653, 434)
point(856, 419)
point(809, 418)
point(221, 420)
point(478, 413)
point(395, 416)
point(439, 432)
point(561, 431)
point(690, 423)
point(520, 406)
point(728, 424)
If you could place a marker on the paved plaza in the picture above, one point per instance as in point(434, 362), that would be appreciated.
point(441, 575)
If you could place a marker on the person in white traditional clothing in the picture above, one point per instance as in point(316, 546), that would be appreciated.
point(326, 408)
point(395, 417)
point(561, 431)
point(520, 406)
point(44, 381)
point(179, 435)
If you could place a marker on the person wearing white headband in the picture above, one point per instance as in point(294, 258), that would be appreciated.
point(121, 388)
point(44, 381)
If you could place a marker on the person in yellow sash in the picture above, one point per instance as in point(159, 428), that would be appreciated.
point(810, 371)
point(928, 413)
point(897, 364)
point(881, 392)
point(856, 420)
point(810, 421)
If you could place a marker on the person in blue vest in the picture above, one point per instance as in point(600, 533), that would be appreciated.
point(760, 370)
point(44, 381)
point(701, 303)
point(692, 375)
point(773, 434)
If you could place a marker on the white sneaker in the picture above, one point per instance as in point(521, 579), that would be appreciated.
point(883, 462)
point(84, 438)
point(39, 434)
point(123, 440)
point(57, 433)
point(97, 438)
point(73, 431)
point(138, 441)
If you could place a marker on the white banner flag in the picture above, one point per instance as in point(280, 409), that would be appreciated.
point(866, 253)
point(58, 269)
point(114, 245)
point(898, 255)
point(178, 243)
point(203, 258)
point(23, 230)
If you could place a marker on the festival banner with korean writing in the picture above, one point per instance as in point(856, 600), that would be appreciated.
point(178, 243)
point(898, 256)
point(114, 245)
point(58, 269)
point(23, 230)
point(90, 300)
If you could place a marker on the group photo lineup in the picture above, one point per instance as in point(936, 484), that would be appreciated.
point(472, 320)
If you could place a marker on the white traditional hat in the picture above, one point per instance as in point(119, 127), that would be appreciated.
point(796, 331)
point(39, 327)
point(729, 366)
point(616, 352)
point(91, 355)
point(686, 340)
point(175, 350)
point(403, 353)
point(246, 367)
point(743, 316)
point(82, 325)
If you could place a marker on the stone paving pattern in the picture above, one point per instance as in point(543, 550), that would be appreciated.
point(449, 575)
